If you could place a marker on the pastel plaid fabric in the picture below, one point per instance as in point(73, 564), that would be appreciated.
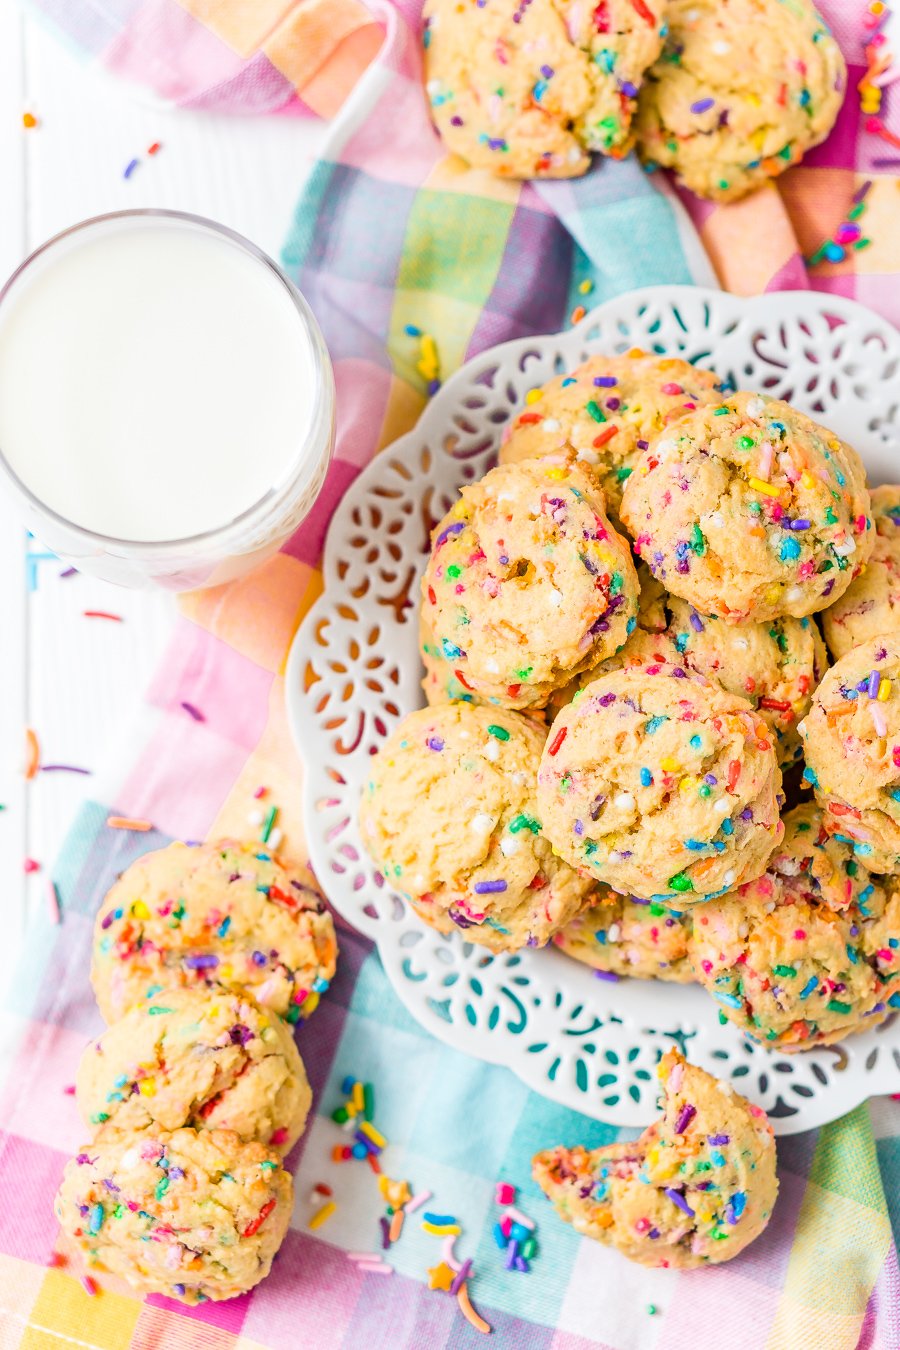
point(388, 232)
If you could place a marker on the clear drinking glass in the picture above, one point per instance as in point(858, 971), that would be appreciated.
point(215, 555)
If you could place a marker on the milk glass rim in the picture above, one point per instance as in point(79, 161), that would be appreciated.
point(323, 394)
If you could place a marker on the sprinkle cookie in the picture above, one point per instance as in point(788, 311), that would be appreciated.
point(223, 914)
point(606, 412)
point(750, 510)
point(620, 935)
point(775, 665)
point(449, 815)
point(787, 965)
point(193, 1214)
point(661, 785)
point(191, 1057)
point(528, 584)
point(851, 740)
point(706, 113)
point(870, 607)
point(695, 1189)
point(527, 88)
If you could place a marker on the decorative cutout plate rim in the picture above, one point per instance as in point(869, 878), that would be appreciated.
point(353, 671)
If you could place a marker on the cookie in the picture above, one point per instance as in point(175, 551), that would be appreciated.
point(870, 606)
point(620, 935)
point(606, 412)
point(528, 584)
point(789, 966)
point(192, 1214)
point(851, 741)
point(750, 511)
point(440, 683)
point(695, 1189)
point(449, 815)
point(527, 88)
point(742, 89)
point(194, 1057)
point(775, 665)
point(222, 914)
point(661, 785)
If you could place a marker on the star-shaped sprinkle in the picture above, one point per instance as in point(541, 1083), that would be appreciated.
point(440, 1276)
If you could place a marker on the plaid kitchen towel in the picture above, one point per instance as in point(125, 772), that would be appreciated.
point(390, 232)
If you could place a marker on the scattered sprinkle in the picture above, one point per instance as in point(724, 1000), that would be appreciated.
point(474, 1318)
point(192, 711)
point(323, 1214)
point(32, 754)
point(128, 823)
point(848, 233)
point(103, 614)
point(89, 1286)
point(53, 905)
point(130, 167)
point(375, 1268)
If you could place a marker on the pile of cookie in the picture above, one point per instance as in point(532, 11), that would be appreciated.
point(728, 93)
point(625, 678)
point(202, 958)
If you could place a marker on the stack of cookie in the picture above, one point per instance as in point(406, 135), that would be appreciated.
point(728, 93)
point(196, 1091)
point(622, 660)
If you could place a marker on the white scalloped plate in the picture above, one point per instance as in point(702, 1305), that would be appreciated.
point(354, 671)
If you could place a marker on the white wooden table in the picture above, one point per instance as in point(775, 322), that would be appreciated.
point(74, 679)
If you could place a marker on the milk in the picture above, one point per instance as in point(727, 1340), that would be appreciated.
point(156, 379)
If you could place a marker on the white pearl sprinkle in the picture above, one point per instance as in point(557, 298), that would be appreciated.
point(510, 844)
point(482, 823)
point(550, 424)
point(624, 801)
point(613, 933)
point(491, 750)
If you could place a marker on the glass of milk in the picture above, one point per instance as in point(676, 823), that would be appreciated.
point(166, 399)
